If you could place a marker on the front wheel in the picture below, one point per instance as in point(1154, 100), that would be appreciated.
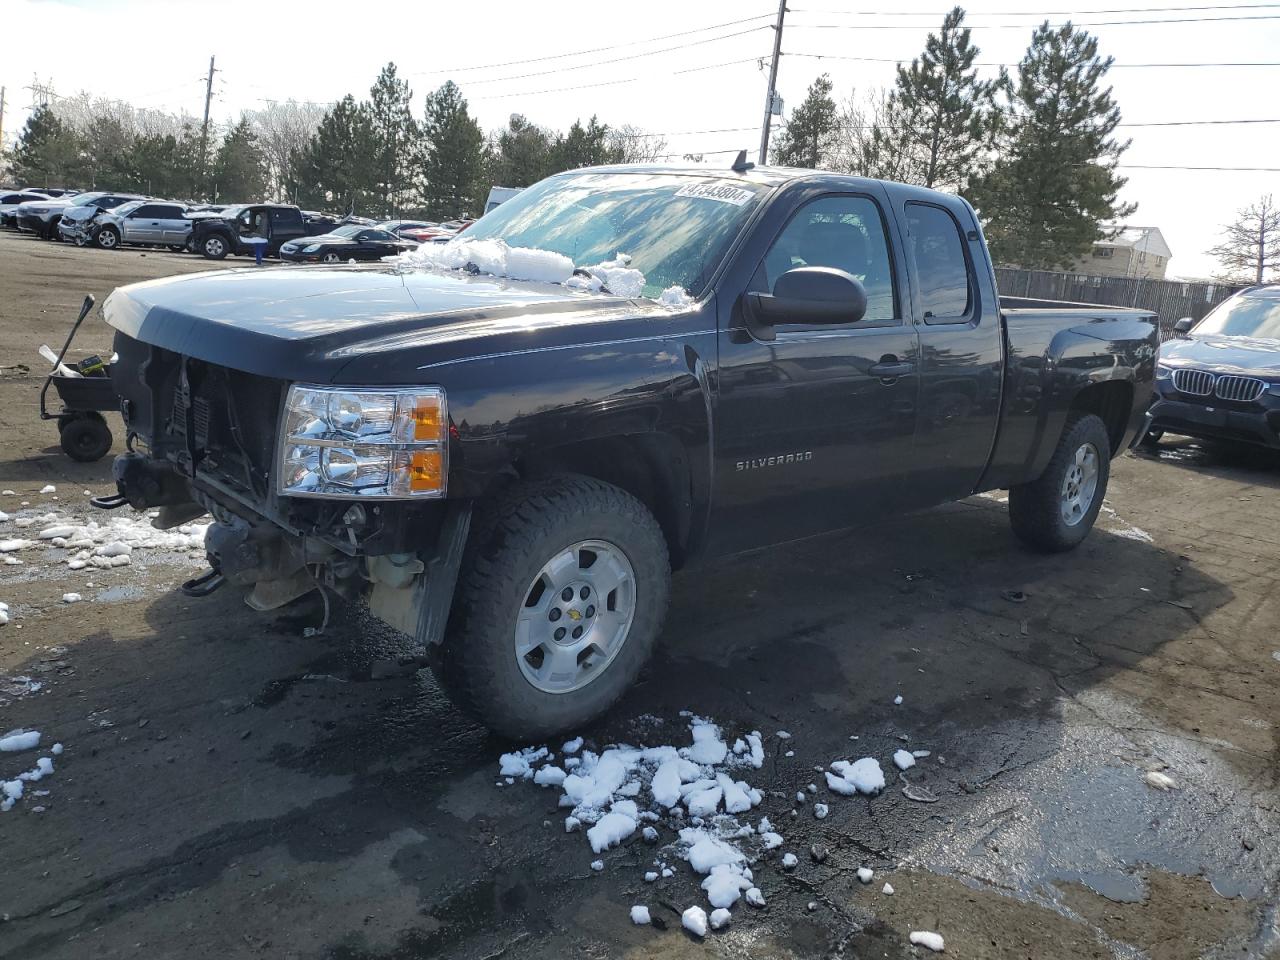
point(331, 258)
point(108, 238)
point(1056, 511)
point(214, 248)
point(561, 595)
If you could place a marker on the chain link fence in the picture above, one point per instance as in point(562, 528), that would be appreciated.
point(1170, 300)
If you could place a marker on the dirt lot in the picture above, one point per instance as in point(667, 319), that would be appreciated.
point(234, 786)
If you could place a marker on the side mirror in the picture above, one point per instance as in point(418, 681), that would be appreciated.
point(1183, 326)
point(807, 295)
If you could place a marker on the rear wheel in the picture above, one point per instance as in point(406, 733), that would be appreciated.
point(1056, 511)
point(561, 595)
point(86, 437)
point(108, 238)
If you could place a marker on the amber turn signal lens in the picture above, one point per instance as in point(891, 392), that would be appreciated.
point(426, 419)
point(426, 471)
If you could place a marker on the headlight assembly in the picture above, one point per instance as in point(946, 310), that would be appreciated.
point(1163, 370)
point(344, 444)
point(311, 248)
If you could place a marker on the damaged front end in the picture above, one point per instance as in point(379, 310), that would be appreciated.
point(294, 509)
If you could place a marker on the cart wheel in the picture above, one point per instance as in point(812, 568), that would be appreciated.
point(86, 438)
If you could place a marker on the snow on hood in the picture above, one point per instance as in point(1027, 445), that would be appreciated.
point(498, 258)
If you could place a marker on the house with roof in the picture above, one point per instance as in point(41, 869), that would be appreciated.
point(1127, 251)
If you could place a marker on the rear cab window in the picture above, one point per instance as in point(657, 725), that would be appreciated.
point(943, 272)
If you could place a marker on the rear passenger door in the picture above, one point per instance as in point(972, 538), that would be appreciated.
point(957, 315)
point(815, 429)
point(143, 225)
point(174, 225)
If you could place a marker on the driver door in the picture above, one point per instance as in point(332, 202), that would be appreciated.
point(815, 429)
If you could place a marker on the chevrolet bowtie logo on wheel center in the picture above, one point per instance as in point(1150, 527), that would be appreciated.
point(575, 615)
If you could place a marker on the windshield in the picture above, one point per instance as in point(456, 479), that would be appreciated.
point(676, 229)
point(1246, 316)
point(349, 231)
point(81, 199)
point(128, 207)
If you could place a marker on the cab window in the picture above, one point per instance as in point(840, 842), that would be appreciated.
point(941, 267)
point(842, 231)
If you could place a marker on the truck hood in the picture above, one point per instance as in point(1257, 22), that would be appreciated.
point(1239, 355)
point(309, 323)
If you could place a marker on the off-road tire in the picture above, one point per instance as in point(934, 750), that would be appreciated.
point(215, 247)
point(85, 438)
point(1035, 508)
point(511, 539)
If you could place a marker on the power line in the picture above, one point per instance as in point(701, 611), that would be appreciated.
point(602, 83)
point(581, 53)
point(1114, 66)
point(1024, 26)
point(1042, 13)
point(613, 60)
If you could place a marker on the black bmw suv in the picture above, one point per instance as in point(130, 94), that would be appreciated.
point(1220, 379)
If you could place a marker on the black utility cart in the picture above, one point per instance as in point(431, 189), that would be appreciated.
point(81, 424)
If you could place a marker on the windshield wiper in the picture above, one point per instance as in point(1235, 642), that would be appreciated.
point(591, 274)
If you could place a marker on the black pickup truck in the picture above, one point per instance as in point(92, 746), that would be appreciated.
point(235, 229)
point(507, 443)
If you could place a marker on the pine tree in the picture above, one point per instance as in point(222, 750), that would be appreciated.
point(395, 139)
point(939, 119)
point(1053, 183)
point(335, 169)
point(589, 146)
point(239, 168)
point(811, 135)
point(49, 153)
point(1250, 247)
point(521, 154)
point(452, 164)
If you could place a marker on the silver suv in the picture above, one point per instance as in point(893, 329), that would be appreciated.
point(160, 223)
point(42, 217)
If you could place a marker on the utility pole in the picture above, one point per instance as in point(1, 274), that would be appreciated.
point(204, 130)
point(773, 82)
point(2, 118)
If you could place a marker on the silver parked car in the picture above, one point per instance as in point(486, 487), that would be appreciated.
point(158, 223)
point(42, 217)
point(9, 200)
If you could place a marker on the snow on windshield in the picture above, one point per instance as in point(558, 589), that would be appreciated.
point(499, 259)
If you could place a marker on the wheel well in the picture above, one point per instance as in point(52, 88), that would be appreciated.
point(652, 467)
point(1111, 402)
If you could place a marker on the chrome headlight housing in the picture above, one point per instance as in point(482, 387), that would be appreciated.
point(343, 443)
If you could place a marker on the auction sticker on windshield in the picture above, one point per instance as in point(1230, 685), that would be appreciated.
point(716, 191)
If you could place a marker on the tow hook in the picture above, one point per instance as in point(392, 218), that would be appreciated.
point(110, 502)
point(205, 584)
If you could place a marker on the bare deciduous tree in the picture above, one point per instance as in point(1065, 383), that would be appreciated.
point(283, 129)
point(1250, 246)
point(635, 145)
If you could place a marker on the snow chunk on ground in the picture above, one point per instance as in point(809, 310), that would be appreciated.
point(611, 829)
point(707, 851)
point(898, 700)
point(651, 876)
point(71, 598)
point(19, 739)
point(887, 890)
point(720, 918)
point(48, 488)
point(865, 874)
point(572, 746)
point(519, 764)
point(695, 921)
point(1160, 780)
point(757, 750)
point(597, 865)
point(725, 883)
point(549, 776)
point(864, 775)
point(9, 546)
point(820, 810)
point(708, 748)
point(904, 759)
point(754, 897)
point(116, 548)
point(789, 861)
point(927, 938)
point(56, 749)
point(639, 915)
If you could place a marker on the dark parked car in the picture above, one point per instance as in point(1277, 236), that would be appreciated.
point(510, 468)
point(399, 226)
point(352, 242)
point(1221, 378)
point(234, 230)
